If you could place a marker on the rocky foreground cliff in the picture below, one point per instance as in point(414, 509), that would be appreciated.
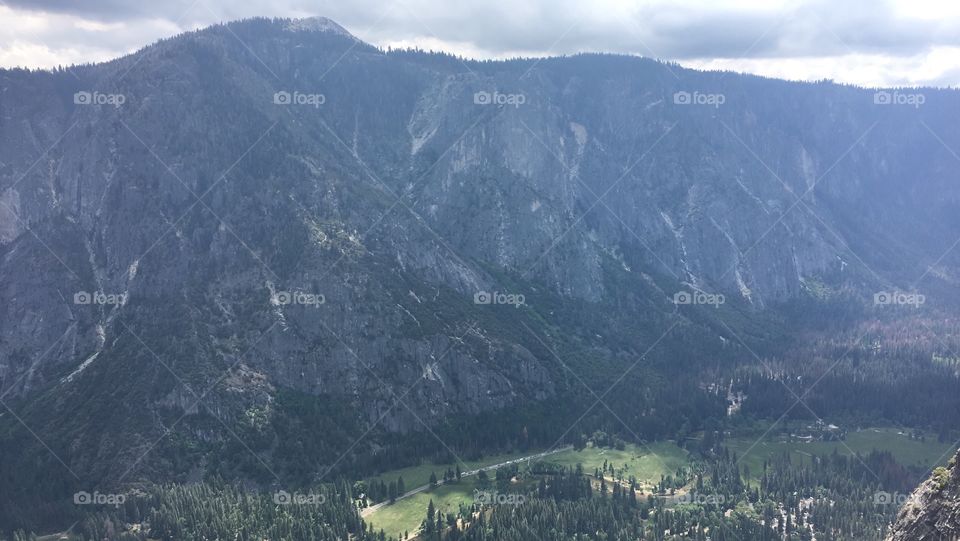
point(932, 513)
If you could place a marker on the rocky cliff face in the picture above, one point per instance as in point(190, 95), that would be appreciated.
point(274, 205)
point(932, 512)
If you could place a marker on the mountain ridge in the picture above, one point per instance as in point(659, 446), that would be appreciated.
point(251, 169)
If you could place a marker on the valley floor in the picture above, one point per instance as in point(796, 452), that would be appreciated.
point(648, 464)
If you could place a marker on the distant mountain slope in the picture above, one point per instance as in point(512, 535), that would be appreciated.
point(270, 227)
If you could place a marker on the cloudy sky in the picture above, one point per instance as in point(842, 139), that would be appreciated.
point(865, 42)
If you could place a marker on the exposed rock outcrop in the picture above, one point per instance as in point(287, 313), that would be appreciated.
point(932, 513)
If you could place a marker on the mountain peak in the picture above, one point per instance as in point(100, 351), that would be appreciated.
point(317, 24)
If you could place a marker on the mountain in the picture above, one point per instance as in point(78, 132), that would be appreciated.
point(267, 249)
point(933, 510)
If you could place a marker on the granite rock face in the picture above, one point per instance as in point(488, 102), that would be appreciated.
point(275, 204)
point(932, 513)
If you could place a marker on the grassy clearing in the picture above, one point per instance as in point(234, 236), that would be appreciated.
point(646, 463)
point(906, 451)
point(416, 476)
point(407, 514)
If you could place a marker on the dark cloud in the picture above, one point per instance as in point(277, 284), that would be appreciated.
point(105, 10)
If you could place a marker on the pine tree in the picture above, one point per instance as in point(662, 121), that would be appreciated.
point(428, 524)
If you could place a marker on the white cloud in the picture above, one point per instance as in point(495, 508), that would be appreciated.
point(936, 67)
point(45, 40)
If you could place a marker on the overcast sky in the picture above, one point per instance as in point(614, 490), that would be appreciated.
point(865, 42)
